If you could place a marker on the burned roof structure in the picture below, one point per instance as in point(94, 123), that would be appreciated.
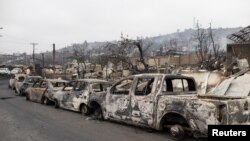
point(241, 36)
point(238, 53)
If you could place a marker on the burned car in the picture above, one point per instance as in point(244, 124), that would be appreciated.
point(161, 101)
point(16, 79)
point(11, 82)
point(22, 84)
point(76, 95)
point(19, 82)
point(37, 92)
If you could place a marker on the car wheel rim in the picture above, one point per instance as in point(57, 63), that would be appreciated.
point(84, 109)
point(174, 131)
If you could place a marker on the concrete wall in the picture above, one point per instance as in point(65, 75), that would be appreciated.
point(186, 59)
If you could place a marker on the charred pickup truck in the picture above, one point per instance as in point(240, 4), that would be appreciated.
point(161, 101)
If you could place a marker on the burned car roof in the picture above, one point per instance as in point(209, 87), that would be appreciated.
point(160, 74)
point(55, 80)
point(34, 76)
point(93, 80)
point(18, 75)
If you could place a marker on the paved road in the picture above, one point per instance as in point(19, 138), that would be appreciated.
point(21, 120)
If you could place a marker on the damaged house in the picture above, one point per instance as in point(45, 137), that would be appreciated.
point(237, 56)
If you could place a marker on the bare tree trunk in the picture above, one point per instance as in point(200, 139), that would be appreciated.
point(142, 60)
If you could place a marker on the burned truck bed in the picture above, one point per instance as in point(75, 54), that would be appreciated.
point(161, 101)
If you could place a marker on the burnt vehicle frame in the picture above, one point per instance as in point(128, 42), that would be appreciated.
point(181, 111)
point(15, 78)
point(75, 96)
point(27, 82)
point(40, 88)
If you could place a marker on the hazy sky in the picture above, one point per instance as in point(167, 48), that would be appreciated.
point(72, 21)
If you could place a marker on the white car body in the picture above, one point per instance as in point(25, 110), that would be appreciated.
point(15, 71)
point(4, 71)
point(13, 80)
point(19, 79)
point(38, 92)
point(73, 97)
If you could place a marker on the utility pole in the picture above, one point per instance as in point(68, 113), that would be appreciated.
point(13, 55)
point(53, 59)
point(43, 59)
point(25, 58)
point(62, 53)
point(33, 56)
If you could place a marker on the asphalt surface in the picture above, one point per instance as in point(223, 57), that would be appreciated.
point(22, 120)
